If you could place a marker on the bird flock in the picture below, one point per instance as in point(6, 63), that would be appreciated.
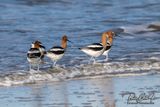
point(37, 52)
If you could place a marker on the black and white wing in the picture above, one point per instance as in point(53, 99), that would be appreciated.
point(94, 47)
point(57, 50)
point(33, 53)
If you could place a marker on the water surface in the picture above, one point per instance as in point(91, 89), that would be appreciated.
point(135, 52)
point(100, 92)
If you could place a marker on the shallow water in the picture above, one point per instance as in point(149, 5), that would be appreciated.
point(100, 92)
point(75, 83)
point(136, 51)
point(22, 22)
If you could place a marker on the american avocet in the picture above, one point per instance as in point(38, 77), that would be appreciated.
point(41, 48)
point(109, 44)
point(34, 55)
point(57, 52)
point(97, 49)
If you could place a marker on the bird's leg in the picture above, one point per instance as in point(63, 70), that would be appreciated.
point(94, 60)
point(90, 60)
point(106, 57)
point(54, 64)
point(31, 71)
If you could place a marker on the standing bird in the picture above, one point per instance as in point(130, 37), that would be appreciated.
point(41, 48)
point(109, 45)
point(34, 55)
point(97, 49)
point(57, 52)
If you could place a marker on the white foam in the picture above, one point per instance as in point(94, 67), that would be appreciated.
point(107, 69)
point(134, 29)
point(140, 28)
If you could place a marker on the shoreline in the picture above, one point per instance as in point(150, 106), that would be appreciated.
point(87, 92)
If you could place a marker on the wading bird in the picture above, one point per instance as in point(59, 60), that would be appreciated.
point(57, 52)
point(97, 49)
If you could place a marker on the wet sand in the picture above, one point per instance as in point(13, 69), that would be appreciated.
point(98, 92)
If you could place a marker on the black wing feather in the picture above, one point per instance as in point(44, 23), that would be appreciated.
point(96, 48)
point(33, 53)
point(57, 52)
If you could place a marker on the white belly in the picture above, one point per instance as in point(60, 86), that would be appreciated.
point(34, 60)
point(54, 57)
point(92, 52)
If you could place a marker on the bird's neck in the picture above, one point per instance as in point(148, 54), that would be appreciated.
point(36, 46)
point(103, 40)
point(32, 45)
point(110, 40)
point(64, 44)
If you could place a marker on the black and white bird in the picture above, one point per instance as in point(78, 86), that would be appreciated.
point(41, 48)
point(34, 56)
point(57, 52)
point(97, 49)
